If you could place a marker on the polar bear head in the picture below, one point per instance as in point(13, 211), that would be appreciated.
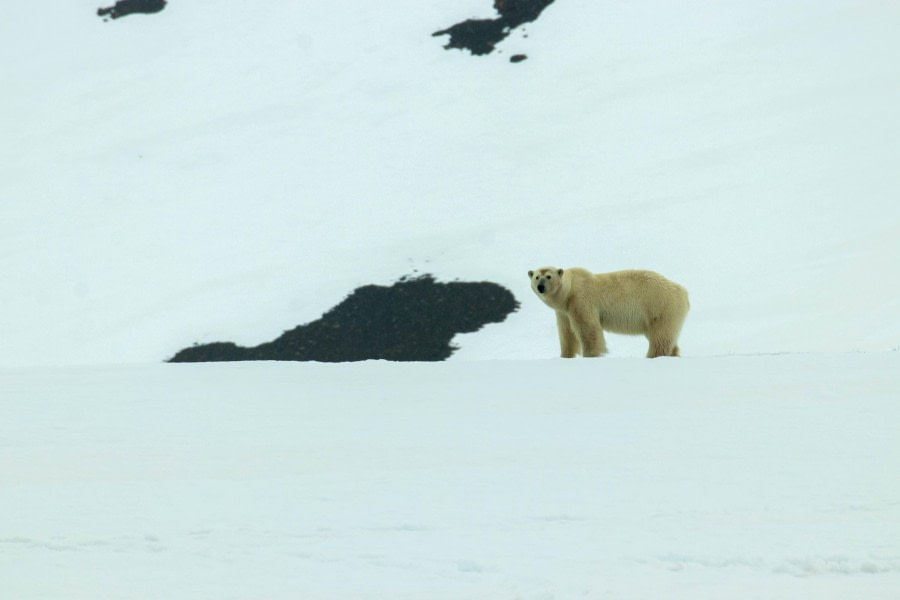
point(545, 280)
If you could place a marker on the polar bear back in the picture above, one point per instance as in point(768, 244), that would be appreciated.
point(628, 301)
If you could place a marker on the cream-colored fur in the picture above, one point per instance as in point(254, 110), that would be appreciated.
point(629, 302)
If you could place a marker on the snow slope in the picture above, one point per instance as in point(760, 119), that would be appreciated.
point(750, 477)
point(226, 174)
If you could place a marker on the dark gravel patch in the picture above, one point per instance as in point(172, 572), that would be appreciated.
point(414, 319)
point(481, 36)
point(123, 8)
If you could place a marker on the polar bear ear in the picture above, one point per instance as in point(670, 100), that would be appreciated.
point(559, 272)
point(530, 273)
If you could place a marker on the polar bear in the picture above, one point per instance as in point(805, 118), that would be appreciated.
point(630, 302)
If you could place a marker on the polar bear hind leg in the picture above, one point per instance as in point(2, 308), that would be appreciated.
point(663, 336)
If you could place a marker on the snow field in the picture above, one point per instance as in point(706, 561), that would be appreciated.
point(748, 477)
point(226, 174)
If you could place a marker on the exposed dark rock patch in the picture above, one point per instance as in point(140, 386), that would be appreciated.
point(477, 36)
point(412, 320)
point(518, 12)
point(517, 58)
point(127, 7)
point(481, 36)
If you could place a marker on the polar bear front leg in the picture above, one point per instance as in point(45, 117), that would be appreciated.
point(589, 333)
point(569, 346)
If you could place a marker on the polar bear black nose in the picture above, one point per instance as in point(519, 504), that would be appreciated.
point(541, 288)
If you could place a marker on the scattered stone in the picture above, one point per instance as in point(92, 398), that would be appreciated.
point(414, 319)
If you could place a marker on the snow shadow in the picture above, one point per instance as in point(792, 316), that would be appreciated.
point(481, 36)
point(414, 319)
